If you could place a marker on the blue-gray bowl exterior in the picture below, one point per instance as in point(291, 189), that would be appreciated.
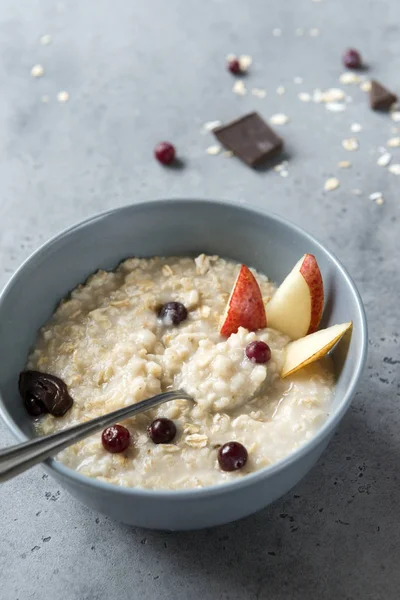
point(175, 227)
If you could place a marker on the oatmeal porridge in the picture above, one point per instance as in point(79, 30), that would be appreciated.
point(110, 347)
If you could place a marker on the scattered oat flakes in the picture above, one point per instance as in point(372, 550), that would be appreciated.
point(213, 150)
point(259, 92)
point(299, 31)
point(349, 77)
point(45, 40)
point(331, 184)
point(279, 119)
point(45, 99)
point(227, 153)
point(37, 71)
point(280, 90)
point(395, 169)
point(210, 126)
point(396, 115)
point(277, 32)
point(365, 86)
point(356, 127)
point(344, 164)
point(239, 88)
point(63, 97)
point(350, 144)
point(314, 32)
point(356, 192)
point(384, 159)
point(394, 142)
point(304, 97)
point(335, 106)
point(298, 80)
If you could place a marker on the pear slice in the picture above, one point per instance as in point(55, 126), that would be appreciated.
point(312, 347)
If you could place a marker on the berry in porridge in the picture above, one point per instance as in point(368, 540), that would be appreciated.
point(162, 431)
point(115, 439)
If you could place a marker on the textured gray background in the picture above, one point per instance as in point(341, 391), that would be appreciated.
point(138, 72)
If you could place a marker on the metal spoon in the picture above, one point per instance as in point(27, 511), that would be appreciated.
point(17, 459)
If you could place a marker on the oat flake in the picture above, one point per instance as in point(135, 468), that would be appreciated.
point(245, 61)
point(395, 169)
point(365, 86)
point(348, 77)
point(344, 164)
point(304, 97)
point(379, 201)
point(259, 92)
point(396, 115)
point(375, 196)
point(394, 142)
point(280, 90)
point(355, 127)
point(298, 80)
point(210, 126)
point(196, 440)
point(227, 153)
point(37, 71)
point(384, 160)
point(350, 144)
point(335, 106)
point(213, 150)
point(331, 184)
point(63, 97)
point(314, 32)
point(279, 119)
point(239, 88)
point(45, 40)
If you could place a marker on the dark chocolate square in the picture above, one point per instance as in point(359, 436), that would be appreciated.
point(250, 139)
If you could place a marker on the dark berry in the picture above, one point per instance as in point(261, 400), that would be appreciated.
point(164, 153)
point(115, 438)
point(259, 352)
point(352, 59)
point(234, 66)
point(232, 456)
point(173, 313)
point(162, 431)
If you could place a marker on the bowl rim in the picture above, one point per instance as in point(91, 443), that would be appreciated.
point(250, 478)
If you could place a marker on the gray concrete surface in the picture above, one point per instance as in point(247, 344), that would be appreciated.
point(139, 72)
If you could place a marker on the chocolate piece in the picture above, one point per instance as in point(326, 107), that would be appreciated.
point(250, 139)
point(380, 98)
point(44, 393)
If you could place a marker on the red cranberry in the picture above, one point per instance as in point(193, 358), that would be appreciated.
point(115, 438)
point(352, 59)
point(162, 431)
point(258, 352)
point(232, 456)
point(173, 313)
point(164, 153)
point(234, 66)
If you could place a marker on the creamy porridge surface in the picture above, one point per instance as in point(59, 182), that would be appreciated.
point(108, 345)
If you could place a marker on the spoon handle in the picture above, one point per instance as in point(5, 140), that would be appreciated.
point(17, 459)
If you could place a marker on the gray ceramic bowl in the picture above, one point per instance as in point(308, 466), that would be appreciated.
point(175, 227)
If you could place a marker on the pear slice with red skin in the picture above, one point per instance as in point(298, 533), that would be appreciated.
point(310, 348)
point(245, 306)
point(296, 307)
